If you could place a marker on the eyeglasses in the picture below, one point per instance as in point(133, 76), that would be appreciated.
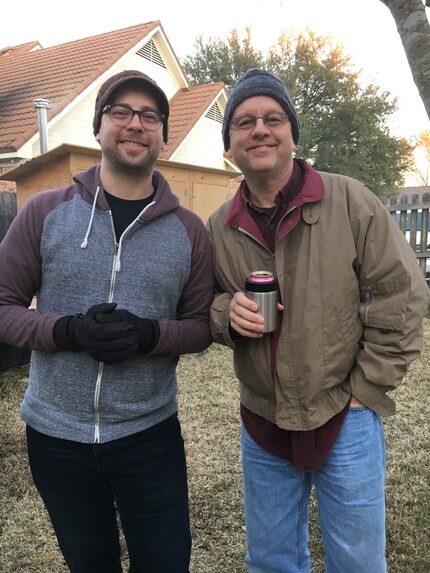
point(248, 122)
point(122, 115)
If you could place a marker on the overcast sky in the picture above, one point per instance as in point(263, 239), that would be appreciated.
point(364, 27)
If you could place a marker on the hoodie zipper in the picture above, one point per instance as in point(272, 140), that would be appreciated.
point(101, 364)
point(115, 268)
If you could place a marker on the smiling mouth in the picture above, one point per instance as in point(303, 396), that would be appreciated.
point(133, 143)
point(263, 146)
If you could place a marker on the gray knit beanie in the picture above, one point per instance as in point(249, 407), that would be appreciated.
point(259, 82)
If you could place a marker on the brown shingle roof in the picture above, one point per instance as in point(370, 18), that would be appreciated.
point(23, 48)
point(59, 74)
point(186, 108)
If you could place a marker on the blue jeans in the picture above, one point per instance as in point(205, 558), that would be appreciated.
point(350, 493)
point(142, 476)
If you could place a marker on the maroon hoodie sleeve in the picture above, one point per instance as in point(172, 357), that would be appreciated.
point(190, 333)
point(20, 271)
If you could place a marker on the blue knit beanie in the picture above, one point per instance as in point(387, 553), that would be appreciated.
point(259, 82)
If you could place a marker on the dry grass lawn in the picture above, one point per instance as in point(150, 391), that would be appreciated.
point(209, 412)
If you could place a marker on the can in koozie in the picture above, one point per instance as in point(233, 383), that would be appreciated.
point(262, 287)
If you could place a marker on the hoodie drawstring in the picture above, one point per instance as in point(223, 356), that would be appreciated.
point(85, 241)
point(118, 259)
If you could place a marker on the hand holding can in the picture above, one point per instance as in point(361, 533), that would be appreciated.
point(262, 287)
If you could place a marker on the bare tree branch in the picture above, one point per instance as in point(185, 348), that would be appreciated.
point(414, 31)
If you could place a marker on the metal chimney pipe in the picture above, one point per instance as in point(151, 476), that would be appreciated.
point(42, 105)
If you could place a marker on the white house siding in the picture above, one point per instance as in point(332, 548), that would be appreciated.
point(75, 125)
point(203, 146)
point(161, 75)
point(25, 151)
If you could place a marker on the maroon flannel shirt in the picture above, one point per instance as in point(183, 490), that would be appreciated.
point(306, 450)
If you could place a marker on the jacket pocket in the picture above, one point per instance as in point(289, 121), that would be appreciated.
point(383, 304)
point(252, 366)
point(350, 331)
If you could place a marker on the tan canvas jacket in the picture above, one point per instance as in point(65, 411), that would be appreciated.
point(354, 300)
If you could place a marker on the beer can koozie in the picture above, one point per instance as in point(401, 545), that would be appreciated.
point(262, 287)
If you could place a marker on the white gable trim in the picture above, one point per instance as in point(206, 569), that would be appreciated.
point(173, 68)
point(220, 99)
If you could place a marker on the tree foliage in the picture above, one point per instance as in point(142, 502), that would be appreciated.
point(344, 125)
point(222, 60)
point(421, 168)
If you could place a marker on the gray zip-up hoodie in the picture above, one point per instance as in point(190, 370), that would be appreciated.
point(62, 247)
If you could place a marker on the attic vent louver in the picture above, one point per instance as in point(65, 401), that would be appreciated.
point(150, 52)
point(215, 113)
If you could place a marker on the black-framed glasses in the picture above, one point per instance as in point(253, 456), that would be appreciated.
point(121, 115)
point(248, 122)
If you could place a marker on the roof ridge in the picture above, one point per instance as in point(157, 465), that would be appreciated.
point(61, 72)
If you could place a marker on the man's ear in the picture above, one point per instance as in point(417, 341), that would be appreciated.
point(98, 136)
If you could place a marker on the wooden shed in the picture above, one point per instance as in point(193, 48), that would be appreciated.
point(201, 189)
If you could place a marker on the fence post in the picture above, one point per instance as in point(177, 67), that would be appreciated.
point(424, 239)
point(9, 355)
point(7, 211)
point(403, 213)
point(413, 221)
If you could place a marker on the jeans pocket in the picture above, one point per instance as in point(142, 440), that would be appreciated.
point(360, 432)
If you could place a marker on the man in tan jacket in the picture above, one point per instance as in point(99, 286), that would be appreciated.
point(351, 302)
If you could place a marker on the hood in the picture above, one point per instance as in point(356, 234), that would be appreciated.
point(165, 201)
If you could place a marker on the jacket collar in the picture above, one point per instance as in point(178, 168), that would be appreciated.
point(312, 191)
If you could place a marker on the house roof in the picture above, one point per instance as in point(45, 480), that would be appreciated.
point(186, 108)
point(61, 73)
point(58, 73)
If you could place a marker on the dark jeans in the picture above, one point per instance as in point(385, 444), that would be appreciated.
point(143, 476)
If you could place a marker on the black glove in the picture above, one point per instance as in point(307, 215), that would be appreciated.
point(108, 341)
point(148, 330)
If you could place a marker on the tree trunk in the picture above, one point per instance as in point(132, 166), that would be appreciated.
point(414, 31)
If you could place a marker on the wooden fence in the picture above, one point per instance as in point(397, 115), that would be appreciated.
point(9, 355)
point(411, 213)
point(7, 211)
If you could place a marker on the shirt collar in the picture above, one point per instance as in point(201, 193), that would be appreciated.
point(284, 195)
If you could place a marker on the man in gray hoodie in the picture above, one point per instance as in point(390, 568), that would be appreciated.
point(123, 279)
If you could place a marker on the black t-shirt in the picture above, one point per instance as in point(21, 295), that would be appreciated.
point(125, 211)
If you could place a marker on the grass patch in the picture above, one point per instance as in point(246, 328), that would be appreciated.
point(209, 414)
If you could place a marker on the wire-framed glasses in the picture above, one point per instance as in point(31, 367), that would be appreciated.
point(121, 115)
point(248, 122)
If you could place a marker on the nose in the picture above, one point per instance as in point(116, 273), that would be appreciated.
point(135, 122)
point(260, 126)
